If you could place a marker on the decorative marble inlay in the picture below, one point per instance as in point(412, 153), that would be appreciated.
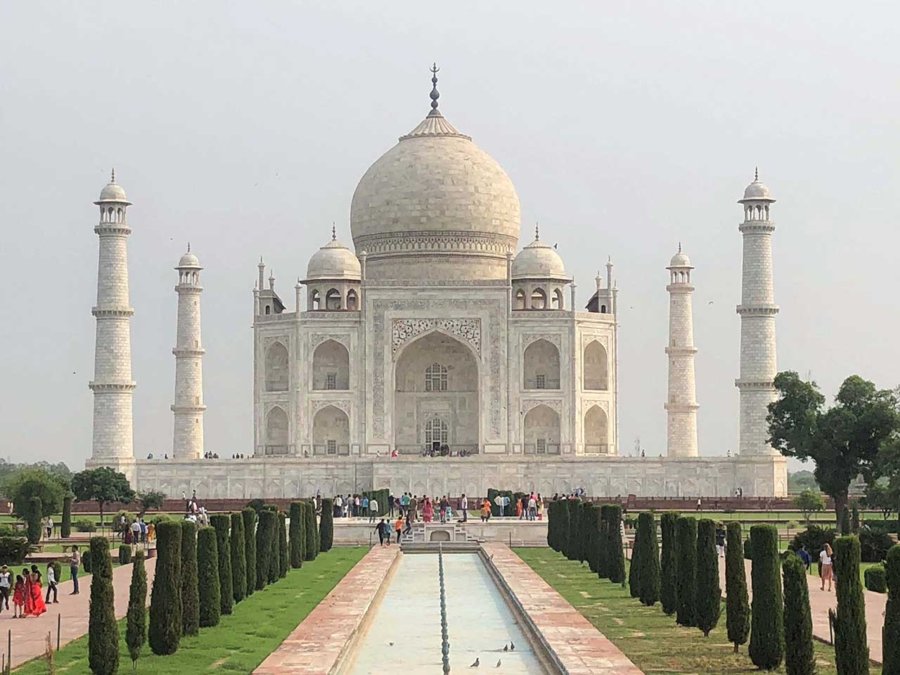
point(552, 338)
point(553, 404)
point(404, 330)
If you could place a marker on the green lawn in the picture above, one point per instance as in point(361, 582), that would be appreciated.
point(242, 640)
point(652, 640)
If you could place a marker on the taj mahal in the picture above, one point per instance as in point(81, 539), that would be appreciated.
point(436, 356)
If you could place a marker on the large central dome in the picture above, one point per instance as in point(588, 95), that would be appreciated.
point(435, 206)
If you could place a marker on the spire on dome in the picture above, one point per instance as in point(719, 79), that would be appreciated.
point(189, 247)
point(435, 94)
point(113, 177)
point(333, 232)
point(756, 173)
point(537, 231)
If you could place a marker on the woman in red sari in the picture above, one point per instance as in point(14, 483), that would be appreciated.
point(34, 599)
point(428, 511)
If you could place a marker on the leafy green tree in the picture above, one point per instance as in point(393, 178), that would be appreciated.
point(23, 485)
point(649, 557)
point(190, 585)
point(668, 588)
point(707, 592)
point(102, 485)
point(248, 515)
point(767, 611)
point(65, 529)
point(809, 502)
point(222, 523)
point(798, 481)
point(151, 499)
point(312, 532)
point(851, 649)
point(844, 440)
point(103, 632)
point(33, 520)
point(799, 655)
point(686, 552)
point(737, 604)
point(283, 561)
point(326, 525)
point(136, 618)
point(296, 543)
point(238, 558)
point(890, 634)
point(208, 564)
point(882, 495)
point(165, 598)
point(265, 535)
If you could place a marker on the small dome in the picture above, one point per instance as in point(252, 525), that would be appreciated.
point(189, 260)
point(680, 259)
point(538, 261)
point(112, 192)
point(334, 261)
point(756, 191)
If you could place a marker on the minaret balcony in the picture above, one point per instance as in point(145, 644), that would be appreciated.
point(757, 310)
point(760, 385)
point(183, 351)
point(112, 228)
point(681, 351)
point(757, 227)
point(111, 386)
point(112, 313)
point(189, 409)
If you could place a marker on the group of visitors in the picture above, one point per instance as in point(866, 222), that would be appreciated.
point(530, 507)
point(826, 564)
point(136, 532)
point(357, 506)
point(28, 600)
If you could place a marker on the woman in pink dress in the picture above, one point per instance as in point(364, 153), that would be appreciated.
point(428, 511)
point(36, 605)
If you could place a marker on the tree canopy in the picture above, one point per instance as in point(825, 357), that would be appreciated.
point(102, 485)
point(843, 440)
point(809, 502)
point(152, 499)
point(25, 484)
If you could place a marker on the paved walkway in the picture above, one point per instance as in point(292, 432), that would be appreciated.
point(319, 643)
point(568, 635)
point(29, 636)
point(821, 601)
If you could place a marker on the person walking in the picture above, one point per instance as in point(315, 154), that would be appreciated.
point(74, 565)
point(48, 526)
point(51, 583)
point(720, 540)
point(532, 507)
point(398, 527)
point(805, 557)
point(408, 527)
point(826, 567)
point(379, 529)
point(485, 511)
point(5, 578)
point(19, 597)
point(373, 510)
point(464, 507)
point(365, 508)
point(391, 505)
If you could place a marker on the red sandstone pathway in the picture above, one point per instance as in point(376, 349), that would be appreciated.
point(29, 635)
point(581, 648)
point(821, 601)
point(318, 643)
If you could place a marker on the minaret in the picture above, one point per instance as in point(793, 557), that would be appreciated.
point(113, 439)
point(757, 311)
point(682, 402)
point(188, 407)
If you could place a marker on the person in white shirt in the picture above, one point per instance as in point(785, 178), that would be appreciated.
point(4, 587)
point(532, 507)
point(464, 508)
point(48, 524)
point(51, 583)
point(373, 510)
point(826, 566)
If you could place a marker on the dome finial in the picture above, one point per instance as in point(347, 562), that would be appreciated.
point(189, 247)
point(679, 247)
point(435, 95)
point(112, 179)
point(756, 174)
point(333, 232)
point(537, 231)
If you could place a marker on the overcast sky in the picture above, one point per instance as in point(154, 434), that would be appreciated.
point(243, 127)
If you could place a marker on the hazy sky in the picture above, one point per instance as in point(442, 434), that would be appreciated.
point(243, 128)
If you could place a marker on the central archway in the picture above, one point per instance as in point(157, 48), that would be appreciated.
point(436, 396)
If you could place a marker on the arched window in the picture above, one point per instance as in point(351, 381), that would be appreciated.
point(520, 299)
point(118, 215)
point(596, 431)
point(276, 432)
point(596, 368)
point(315, 300)
point(557, 299)
point(435, 378)
point(435, 431)
point(268, 309)
point(333, 299)
point(352, 300)
point(538, 299)
point(540, 366)
point(603, 309)
point(277, 368)
point(331, 366)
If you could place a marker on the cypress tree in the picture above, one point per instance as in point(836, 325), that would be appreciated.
point(565, 523)
point(890, 634)
point(649, 556)
point(551, 525)
point(851, 649)
point(136, 618)
point(707, 592)
point(248, 515)
point(767, 611)
point(103, 633)
point(295, 541)
point(616, 552)
point(686, 552)
point(221, 524)
point(65, 530)
point(238, 558)
point(573, 549)
point(312, 531)
point(283, 562)
point(635, 571)
point(326, 526)
point(274, 550)
point(33, 520)
point(591, 514)
point(302, 531)
point(603, 543)
point(265, 533)
point(737, 604)
point(190, 593)
point(668, 564)
point(799, 656)
point(208, 562)
point(165, 598)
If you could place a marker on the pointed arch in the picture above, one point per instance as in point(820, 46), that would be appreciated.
point(596, 430)
point(538, 299)
point(331, 366)
point(331, 431)
point(277, 372)
point(520, 299)
point(540, 365)
point(333, 299)
point(277, 432)
point(596, 367)
point(541, 431)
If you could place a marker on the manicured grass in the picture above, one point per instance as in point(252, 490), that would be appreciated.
point(242, 640)
point(648, 637)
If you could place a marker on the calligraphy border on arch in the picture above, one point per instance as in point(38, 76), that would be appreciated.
point(404, 330)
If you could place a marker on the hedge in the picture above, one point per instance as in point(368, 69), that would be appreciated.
point(221, 523)
point(552, 520)
point(208, 567)
point(799, 656)
point(86, 563)
point(164, 631)
point(302, 530)
point(634, 570)
point(737, 604)
point(326, 526)
point(565, 523)
point(603, 550)
point(13, 550)
point(294, 540)
point(707, 592)
point(890, 634)
point(616, 552)
point(65, 529)
point(283, 562)
point(767, 609)
point(686, 552)
point(649, 559)
point(136, 618)
point(573, 548)
point(190, 593)
point(592, 535)
point(668, 589)
point(124, 554)
point(265, 535)
point(103, 631)
point(248, 515)
point(851, 649)
point(238, 558)
point(274, 551)
point(312, 532)
point(876, 579)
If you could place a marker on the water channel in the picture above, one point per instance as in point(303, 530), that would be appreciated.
point(404, 634)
